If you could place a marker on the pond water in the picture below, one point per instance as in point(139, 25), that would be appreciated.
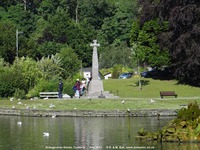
point(82, 133)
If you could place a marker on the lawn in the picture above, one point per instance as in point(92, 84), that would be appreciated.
point(97, 104)
point(135, 99)
point(150, 88)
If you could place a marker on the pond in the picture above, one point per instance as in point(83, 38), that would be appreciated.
point(25, 133)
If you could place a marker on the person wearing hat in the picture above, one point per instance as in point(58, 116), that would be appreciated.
point(77, 85)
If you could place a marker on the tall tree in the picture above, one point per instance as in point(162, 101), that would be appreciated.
point(182, 38)
point(95, 11)
point(7, 41)
point(145, 44)
point(117, 27)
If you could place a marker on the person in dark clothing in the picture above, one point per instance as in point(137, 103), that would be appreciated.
point(60, 88)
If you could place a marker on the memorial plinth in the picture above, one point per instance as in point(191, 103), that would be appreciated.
point(96, 85)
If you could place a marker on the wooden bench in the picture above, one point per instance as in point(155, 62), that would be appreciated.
point(48, 94)
point(167, 93)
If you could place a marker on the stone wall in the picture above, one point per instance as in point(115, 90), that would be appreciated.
point(87, 113)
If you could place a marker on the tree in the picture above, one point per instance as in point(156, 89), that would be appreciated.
point(116, 54)
point(182, 38)
point(117, 27)
point(7, 41)
point(50, 67)
point(70, 62)
point(95, 11)
point(145, 43)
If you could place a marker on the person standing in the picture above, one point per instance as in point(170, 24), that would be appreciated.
point(77, 84)
point(60, 88)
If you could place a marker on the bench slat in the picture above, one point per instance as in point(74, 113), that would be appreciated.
point(168, 93)
point(49, 94)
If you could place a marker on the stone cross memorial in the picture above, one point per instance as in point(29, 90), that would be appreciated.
point(96, 85)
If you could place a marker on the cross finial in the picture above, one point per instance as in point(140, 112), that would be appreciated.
point(95, 44)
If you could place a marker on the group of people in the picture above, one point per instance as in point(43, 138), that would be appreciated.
point(80, 87)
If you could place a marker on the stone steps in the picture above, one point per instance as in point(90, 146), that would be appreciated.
point(102, 94)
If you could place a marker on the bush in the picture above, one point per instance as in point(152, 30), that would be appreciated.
point(43, 86)
point(193, 112)
point(10, 81)
point(68, 87)
point(19, 94)
point(117, 70)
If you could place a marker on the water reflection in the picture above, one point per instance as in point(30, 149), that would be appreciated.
point(81, 133)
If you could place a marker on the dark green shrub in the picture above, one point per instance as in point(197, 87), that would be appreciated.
point(43, 86)
point(191, 113)
point(68, 85)
point(19, 94)
point(10, 81)
point(117, 69)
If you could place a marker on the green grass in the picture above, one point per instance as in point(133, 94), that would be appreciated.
point(150, 88)
point(98, 104)
point(135, 99)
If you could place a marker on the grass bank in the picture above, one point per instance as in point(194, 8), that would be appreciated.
point(150, 88)
point(98, 104)
point(135, 99)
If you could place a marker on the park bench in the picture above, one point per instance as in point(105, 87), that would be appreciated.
point(167, 93)
point(48, 94)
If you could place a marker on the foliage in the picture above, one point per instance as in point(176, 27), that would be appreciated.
point(28, 69)
point(57, 34)
point(182, 36)
point(43, 86)
point(117, 27)
point(69, 83)
point(48, 48)
point(145, 43)
point(50, 67)
point(70, 62)
point(7, 41)
point(117, 69)
point(192, 113)
point(11, 80)
point(19, 94)
point(116, 54)
point(99, 8)
point(106, 70)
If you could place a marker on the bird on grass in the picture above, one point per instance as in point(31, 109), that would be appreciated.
point(19, 123)
point(27, 107)
point(51, 105)
point(19, 103)
point(11, 99)
point(46, 98)
point(152, 101)
point(123, 101)
point(45, 134)
point(128, 110)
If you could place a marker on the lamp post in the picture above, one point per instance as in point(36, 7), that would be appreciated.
point(17, 45)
